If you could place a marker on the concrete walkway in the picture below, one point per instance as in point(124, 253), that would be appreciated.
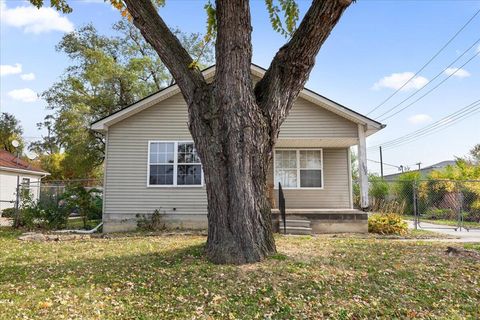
point(463, 236)
point(5, 222)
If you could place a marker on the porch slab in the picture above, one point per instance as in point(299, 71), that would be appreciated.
point(327, 220)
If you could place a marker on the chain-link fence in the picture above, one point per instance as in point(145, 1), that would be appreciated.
point(53, 202)
point(452, 203)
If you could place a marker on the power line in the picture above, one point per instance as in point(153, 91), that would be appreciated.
point(443, 123)
point(434, 78)
point(429, 91)
point(426, 64)
point(386, 164)
point(437, 129)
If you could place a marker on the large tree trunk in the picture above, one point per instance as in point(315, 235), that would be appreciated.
point(235, 126)
point(234, 143)
point(235, 150)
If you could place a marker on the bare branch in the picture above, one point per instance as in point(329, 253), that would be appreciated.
point(292, 64)
point(171, 52)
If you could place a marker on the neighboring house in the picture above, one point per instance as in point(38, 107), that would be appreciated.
point(151, 163)
point(423, 171)
point(15, 171)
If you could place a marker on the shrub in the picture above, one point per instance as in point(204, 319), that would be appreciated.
point(8, 213)
point(403, 188)
point(153, 222)
point(440, 214)
point(47, 213)
point(86, 201)
point(387, 223)
point(378, 191)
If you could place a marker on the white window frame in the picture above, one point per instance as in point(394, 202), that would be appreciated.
point(297, 150)
point(175, 167)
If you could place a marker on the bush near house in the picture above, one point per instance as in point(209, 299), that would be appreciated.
point(387, 223)
point(52, 210)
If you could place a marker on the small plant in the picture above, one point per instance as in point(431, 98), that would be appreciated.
point(153, 222)
point(387, 223)
point(46, 213)
point(86, 201)
point(8, 213)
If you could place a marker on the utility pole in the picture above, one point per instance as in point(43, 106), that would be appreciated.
point(418, 164)
point(381, 162)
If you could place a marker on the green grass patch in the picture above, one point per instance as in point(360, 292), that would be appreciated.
point(167, 277)
point(78, 223)
point(472, 246)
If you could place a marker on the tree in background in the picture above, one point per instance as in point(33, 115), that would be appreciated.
point(475, 154)
point(10, 129)
point(234, 123)
point(378, 191)
point(107, 74)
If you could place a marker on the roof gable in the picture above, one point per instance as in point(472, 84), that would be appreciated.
point(319, 100)
point(10, 162)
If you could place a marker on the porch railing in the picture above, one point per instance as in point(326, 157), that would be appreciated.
point(281, 207)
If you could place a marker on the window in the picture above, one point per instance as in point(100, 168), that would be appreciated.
point(299, 168)
point(26, 182)
point(174, 164)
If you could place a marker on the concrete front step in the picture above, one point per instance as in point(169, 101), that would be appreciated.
point(296, 223)
point(297, 230)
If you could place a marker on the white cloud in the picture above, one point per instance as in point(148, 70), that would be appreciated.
point(6, 69)
point(420, 118)
point(24, 95)
point(33, 20)
point(457, 72)
point(478, 48)
point(397, 80)
point(28, 76)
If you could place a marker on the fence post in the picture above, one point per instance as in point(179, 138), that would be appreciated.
point(415, 209)
point(17, 204)
point(460, 222)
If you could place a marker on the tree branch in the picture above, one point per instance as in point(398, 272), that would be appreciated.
point(291, 66)
point(166, 44)
point(233, 44)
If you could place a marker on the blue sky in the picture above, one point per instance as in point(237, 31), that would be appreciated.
point(367, 56)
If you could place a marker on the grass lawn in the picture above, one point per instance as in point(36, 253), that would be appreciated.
point(78, 223)
point(157, 277)
point(472, 246)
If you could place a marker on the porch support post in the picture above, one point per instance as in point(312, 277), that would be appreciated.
point(362, 167)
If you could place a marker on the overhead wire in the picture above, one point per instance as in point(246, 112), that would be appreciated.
point(429, 91)
point(445, 122)
point(427, 63)
point(434, 78)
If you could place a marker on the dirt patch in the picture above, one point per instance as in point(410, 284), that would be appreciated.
point(462, 253)
point(40, 237)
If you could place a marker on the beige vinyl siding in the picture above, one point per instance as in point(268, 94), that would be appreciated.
point(126, 191)
point(336, 185)
point(307, 120)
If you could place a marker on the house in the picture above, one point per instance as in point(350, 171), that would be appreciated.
point(13, 172)
point(151, 163)
point(423, 171)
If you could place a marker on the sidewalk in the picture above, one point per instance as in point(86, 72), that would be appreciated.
point(463, 236)
point(5, 222)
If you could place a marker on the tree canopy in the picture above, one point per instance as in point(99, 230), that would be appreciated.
point(10, 129)
point(106, 74)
